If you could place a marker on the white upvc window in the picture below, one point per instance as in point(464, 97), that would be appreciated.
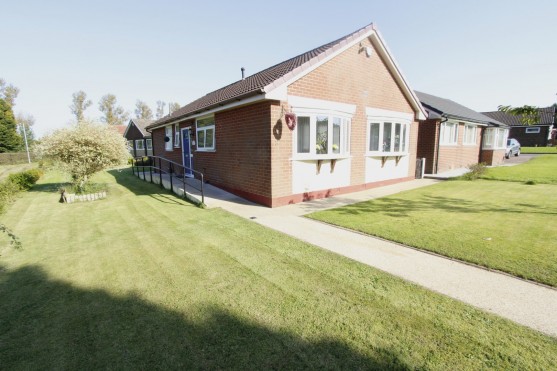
point(205, 133)
point(470, 134)
point(139, 145)
point(322, 136)
point(168, 138)
point(149, 144)
point(177, 136)
point(387, 137)
point(534, 130)
point(130, 145)
point(449, 133)
point(495, 138)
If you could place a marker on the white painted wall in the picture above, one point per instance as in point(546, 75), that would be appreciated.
point(306, 179)
point(376, 173)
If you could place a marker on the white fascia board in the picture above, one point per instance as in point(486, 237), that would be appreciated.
point(387, 114)
point(383, 50)
point(305, 104)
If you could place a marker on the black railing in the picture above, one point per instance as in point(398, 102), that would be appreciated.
point(157, 166)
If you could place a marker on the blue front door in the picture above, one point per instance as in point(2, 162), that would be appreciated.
point(186, 152)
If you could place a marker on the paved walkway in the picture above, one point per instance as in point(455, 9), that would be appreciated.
point(526, 303)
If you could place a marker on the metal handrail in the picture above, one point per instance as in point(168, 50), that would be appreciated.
point(168, 169)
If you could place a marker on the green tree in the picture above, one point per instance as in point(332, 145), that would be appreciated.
point(10, 141)
point(113, 114)
point(528, 115)
point(160, 109)
point(84, 150)
point(25, 123)
point(142, 110)
point(79, 104)
point(8, 92)
point(173, 107)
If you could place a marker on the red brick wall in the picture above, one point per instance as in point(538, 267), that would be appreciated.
point(493, 157)
point(459, 155)
point(353, 78)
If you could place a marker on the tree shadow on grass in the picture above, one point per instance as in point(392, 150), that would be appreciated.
point(399, 208)
point(50, 324)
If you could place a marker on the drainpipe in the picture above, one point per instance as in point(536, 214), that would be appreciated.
point(482, 143)
point(438, 144)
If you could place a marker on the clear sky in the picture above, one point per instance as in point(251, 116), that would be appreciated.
point(478, 53)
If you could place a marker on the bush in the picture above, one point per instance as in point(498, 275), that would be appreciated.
point(26, 179)
point(476, 171)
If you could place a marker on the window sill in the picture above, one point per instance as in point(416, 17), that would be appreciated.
point(312, 157)
point(386, 154)
point(448, 144)
point(205, 150)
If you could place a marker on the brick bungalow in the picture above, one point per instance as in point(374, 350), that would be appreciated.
point(339, 118)
point(139, 139)
point(538, 135)
point(455, 136)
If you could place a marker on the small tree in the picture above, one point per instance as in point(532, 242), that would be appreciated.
point(8, 92)
point(25, 124)
point(10, 141)
point(84, 150)
point(142, 110)
point(113, 114)
point(79, 104)
point(174, 106)
point(160, 109)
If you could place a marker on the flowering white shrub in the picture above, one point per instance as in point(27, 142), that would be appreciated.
point(85, 149)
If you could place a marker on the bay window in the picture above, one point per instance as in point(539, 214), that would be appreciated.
point(322, 135)
point(387, 138)
point(495, 138)
point(205, 133)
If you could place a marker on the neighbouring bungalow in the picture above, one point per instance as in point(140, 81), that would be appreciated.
point(539, 135)
point(455, 137)
point(139, 139)
point(339, 118)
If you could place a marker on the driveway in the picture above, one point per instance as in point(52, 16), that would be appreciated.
point(515, 160)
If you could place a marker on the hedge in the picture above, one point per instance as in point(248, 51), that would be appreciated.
point(13, 158)
point(15, 183)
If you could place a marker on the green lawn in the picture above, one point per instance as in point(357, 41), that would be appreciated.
point(542, 169)
point(538, 149)
point(143, 280)
point(507, 226)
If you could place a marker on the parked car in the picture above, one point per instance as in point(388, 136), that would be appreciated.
point(513, 148)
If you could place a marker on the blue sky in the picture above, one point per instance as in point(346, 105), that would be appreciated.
point(478, 53)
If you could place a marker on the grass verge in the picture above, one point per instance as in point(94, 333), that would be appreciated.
point(538, 150)
point(143, 280)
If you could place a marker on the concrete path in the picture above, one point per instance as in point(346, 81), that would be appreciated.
point(526, 303)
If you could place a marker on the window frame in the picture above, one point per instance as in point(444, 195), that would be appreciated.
point(149, 144)
point(177, 136)
point(139, 145)
point(532, 130)
point(452, 137)
point(465, 139)
point(334, 118)
point(493, 136)
point(204, 129)
point(404, 126)
point(168, 133)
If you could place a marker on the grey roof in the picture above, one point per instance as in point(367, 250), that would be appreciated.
point(547, 117)
point(142, 124)
point(437, 107)
point(254, 84)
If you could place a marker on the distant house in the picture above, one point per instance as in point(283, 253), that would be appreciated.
point(539, 135)
point(454, 136)
point(339, 118)
point(139, 139)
